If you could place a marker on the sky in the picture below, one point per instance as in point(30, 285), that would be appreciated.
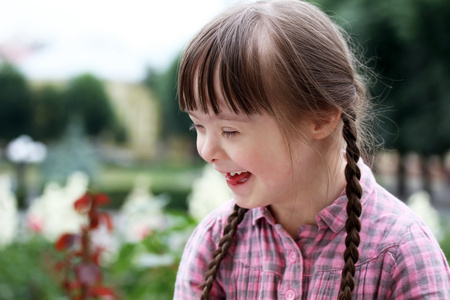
point(113, 39)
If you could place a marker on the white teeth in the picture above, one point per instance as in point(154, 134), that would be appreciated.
point(237, 173)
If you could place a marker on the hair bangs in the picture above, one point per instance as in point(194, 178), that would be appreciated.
point(221, 66)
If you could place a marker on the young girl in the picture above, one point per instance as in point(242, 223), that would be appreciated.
point(274, 95)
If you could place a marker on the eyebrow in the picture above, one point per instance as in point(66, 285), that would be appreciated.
point(226, 117)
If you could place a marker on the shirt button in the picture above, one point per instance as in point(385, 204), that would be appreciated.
point(292, 257)
point(290, 295)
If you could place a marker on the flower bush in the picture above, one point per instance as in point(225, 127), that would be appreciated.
point(53, 213)
point(141, 212)
point(8, 212)
point(27, 270)
point(80, 266)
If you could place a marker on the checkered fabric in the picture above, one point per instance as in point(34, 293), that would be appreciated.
point(399, 256)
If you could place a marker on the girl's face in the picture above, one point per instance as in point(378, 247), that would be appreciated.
point(252, 155)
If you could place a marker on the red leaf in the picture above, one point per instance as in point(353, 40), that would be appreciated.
point(72, 285)
point(78, 253)
point(88, 273)
point(100, 291)
point(108, 221)
point(94, 220)
point(83, 204)
point(66, 241)
point(101, 199)
point(96, 256)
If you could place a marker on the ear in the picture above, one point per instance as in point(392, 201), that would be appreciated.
point(324, 126)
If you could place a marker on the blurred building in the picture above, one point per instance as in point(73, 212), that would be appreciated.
point(136, 108)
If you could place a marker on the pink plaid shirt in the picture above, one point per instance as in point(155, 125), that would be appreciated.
point(399, 256)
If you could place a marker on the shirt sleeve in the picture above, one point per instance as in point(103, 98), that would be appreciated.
point(421, 270)
point(196, 257)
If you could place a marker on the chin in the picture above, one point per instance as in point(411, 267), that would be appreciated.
point(244, 203)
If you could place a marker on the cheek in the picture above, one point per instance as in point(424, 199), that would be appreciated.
point(200, 142)
point(274, 164)
point(264, 163)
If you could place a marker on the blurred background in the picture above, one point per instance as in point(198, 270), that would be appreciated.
point(88, 103)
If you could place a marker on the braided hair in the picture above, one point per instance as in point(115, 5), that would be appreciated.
point(352, 225)
point(224, 244)
point(287, 59)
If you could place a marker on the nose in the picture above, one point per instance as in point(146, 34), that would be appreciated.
point(209, 147)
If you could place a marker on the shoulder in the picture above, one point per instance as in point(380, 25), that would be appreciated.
point(419, 261)
point(199, 251)
point(393, 233)
point(384, 215)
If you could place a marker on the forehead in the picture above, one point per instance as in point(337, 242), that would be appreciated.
point(225, 114)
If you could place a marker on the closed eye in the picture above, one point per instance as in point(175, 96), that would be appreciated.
point(229, 134)
point(195, 127)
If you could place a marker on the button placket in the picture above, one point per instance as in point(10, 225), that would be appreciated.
point(292, 257)
point(290, 294)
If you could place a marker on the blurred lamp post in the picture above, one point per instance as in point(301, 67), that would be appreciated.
point(22, 151)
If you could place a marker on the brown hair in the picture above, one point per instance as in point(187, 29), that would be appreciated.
point(287, 59)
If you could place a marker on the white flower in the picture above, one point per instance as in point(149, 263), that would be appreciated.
point(208, 192)
point(420, 203)
point(8, 212)
point(141, 212)
point(53, 213)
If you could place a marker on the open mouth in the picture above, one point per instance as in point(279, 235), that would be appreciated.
point(237, 177)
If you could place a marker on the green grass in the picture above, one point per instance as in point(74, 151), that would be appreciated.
point(175, 182)
point(161, 177)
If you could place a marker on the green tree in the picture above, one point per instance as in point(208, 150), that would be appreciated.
point(15, 103)
point(408, 45)
point(174, 123)
point(87, 100)
point(49, 114)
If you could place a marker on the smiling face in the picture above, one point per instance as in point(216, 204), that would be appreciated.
point(250, 107)
point(252, 154)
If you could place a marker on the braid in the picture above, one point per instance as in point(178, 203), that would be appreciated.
point(354, 193)
point(224, 244)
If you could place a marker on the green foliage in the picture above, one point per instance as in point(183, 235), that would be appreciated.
point(137, 281)
point(174, 123)
point(15, 103)
point(445, 243)
point(174, 183)
point(176, 197)
point(28, 269)
point(27, 273)
point(49, 114)
point(408, 45)
point(45, 113)
point(88, 101)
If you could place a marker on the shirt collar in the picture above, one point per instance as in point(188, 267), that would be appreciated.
point(334, 215)
point(262, 212)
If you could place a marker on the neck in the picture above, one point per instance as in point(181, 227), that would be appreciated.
point(325, 186)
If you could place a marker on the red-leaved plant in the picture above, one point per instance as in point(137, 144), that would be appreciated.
point(82, 274)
